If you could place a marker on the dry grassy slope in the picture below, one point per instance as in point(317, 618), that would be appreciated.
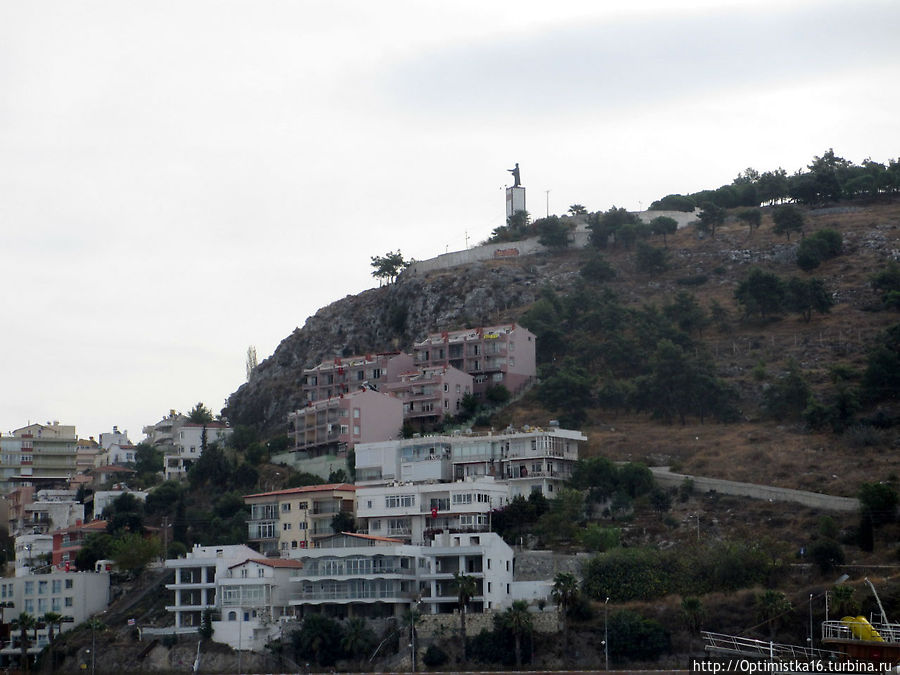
point(760, 450)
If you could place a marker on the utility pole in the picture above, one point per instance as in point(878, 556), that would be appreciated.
point(606, 632)
point(548, 202)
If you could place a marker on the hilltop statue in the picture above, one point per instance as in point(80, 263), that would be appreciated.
point(517, 181)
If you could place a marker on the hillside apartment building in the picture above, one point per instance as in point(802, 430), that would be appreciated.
point(37, 454)
point(296, 518)
point(492, 355)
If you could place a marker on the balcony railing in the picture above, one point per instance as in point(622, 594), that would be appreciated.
point(356, 595)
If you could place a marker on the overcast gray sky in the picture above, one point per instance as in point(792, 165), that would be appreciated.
point(182, 179)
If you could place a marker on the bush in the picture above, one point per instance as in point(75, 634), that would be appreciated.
point(819, 247)
point(435, 657)
point(826, 554)
point(631, 636)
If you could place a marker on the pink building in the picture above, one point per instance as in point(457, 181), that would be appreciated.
point(336, 424)
point(431, 393)
point(343, 375)
point(492, 355)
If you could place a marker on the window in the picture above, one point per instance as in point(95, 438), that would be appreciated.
point(42, 587)
point(303, 505)
point(356, 430)
point(68, 585)
point(285, 527)
point(301, 525)
point(29, 606)
point(285, 508)
point(356, 413)
point(260, 572)
point(244, 573)
point(398, 501)
point(55, 604)
point(376, 373)
point(345, 429)
point(447, 386)
point(489, 587)
point(29, 588)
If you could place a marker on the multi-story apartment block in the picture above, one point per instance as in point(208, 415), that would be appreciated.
point(296, 518)
point(87, 454)
point(484, 556)
point(343, 375)
point(365, 575)
point(430, 394)
point(188, 442)
point(162, 434)
point(492, 355)
point(253, 598)
point(334, 425)
point(33, 552)
point(75, 595)
point(51, 510)
point(38, 453)
point(530, 460)
point(415, 512)
point(195, 581)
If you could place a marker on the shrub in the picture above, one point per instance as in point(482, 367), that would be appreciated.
point(435, 657)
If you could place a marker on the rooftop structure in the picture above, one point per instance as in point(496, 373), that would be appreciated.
point(430, 394)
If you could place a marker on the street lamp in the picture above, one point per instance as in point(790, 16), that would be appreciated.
point(606, 632)
point(811, 643)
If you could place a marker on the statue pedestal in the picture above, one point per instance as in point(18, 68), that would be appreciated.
point(515, 200)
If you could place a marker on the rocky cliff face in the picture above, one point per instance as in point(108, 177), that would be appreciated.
point(390, 318)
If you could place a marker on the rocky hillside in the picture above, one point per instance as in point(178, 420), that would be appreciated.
point(395, 316)
point(390, 318)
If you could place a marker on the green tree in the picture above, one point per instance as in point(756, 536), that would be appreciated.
point(631, 636)
point(132, 552)
point(771, 607)
point(497, 394)
point(124, 514)
point(881, 379)
point(826, 554)
point(200, 414)
point(751, 217)
point(466, 588)
point(517, 619)
point(650, 259)
point(319, 639)
point(819, 247)
point(577, 210)
point(687, 313)
point(596, 268)
point(358, 640)
point(787, 219)
point(388, 266)
point(878, 501)
point(96, 546)
point(206, 626)
point(23, 623)
point(665, 226)
point(564, 593)
point(842, 599)
point(343, 522)
point(805, 296)
point(552, 232)
point(562, 521)
point(147, 459)
point(761, 293)
point(788, 396)
point(674, 203)
point(692, 613)
point(711, 217)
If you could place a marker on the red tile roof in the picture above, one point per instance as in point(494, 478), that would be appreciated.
point(305, 489)
point(272, 562)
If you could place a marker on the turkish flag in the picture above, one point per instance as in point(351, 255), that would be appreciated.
point(434, 512)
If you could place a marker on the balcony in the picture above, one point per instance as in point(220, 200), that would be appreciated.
point(362, 594)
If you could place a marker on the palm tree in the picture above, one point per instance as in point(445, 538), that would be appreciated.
point(466, 589)
point(771, 606)
point(844, 604)
point(692, 612)
point(358, 639)
point(518, 619)
point(564, 593)
point(24, 623)
point(51, 619)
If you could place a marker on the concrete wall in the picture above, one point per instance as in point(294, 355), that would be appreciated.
point(515, 249)
point(446, 626)
point(727, 487)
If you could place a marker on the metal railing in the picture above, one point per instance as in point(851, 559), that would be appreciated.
point(735, 644)
point(838, 630)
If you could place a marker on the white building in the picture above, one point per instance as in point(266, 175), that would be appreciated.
point(33, 551)
point(78, 595)
point(188, 441)
point(195, 580)
point(531, 459)
point(254, 599)
point(115, 437)
point(414, 512)
point(363, 575)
